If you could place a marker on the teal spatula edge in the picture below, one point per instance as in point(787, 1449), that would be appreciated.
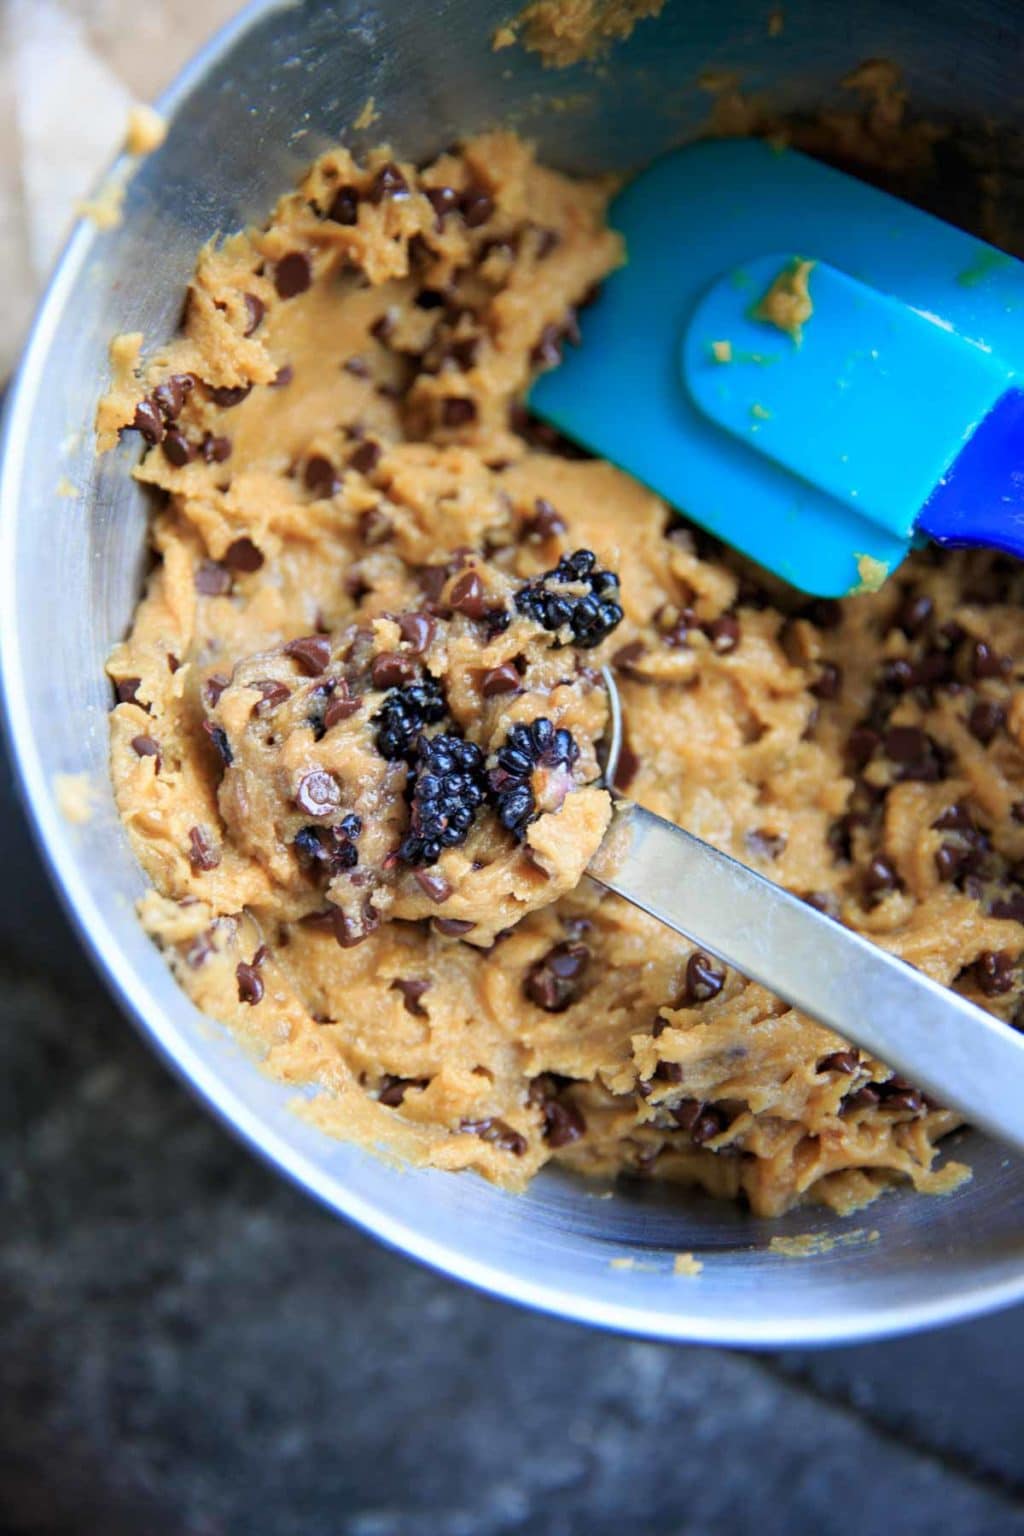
point(705, 227)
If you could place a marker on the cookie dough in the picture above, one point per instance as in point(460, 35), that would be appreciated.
point(354, 503)
point(567, 32)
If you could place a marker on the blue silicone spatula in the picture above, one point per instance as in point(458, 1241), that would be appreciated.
point(893, 414)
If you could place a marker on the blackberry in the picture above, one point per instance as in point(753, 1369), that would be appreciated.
point(527, 748)
point(591, 616)
point(404, 713)
point(447, 791)
point(330, 848)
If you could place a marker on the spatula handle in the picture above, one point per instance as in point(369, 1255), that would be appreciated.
point(958, 1053)
point(980, 499)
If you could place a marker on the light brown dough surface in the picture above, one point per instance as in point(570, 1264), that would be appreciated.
point(866, 754)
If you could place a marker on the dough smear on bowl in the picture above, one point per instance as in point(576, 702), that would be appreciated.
point(354, 743)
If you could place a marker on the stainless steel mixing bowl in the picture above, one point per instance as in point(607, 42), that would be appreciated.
point(278, 85)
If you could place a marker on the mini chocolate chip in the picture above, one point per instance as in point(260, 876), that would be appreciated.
point(549, 240)
point(708, 1125)
point(229, 395)
point(897, 676)
point(243, 555)
point(203, 854)
point(341, 707)
point(412, 989)
point(433, 885)
point(897, 1093)
point(432, 579)
point(934, 670)
point(452, 927)
point(906, 744)
point(250, 983)
point(845, 1062)
point(172, 662)
point(498, 680)
point(366, 457)
point(284, 375)
point(764, 844)
point(350, 931)
point(126, 690)
point(383, 327)
point(318, 794)
point(984, 661)
point(464, 352)
point(829, 681)
point(255, 309)
point(627, 767)
point(822, 901)
point(1017, 810)
point(293, 274)
point(443, 200)
point(344, 208)
point(392, 668)
point(145, 746)
point(148, 421)
point(686, 1113)
point(993, 972)
point(468, 595)
point(823, 613)
point(861, 744)
point(417, 630)
point(880, 877)
point(312, 652)
point(215, 450)
point(476, 206)
point(563, 1123)
point(1009, 906)
point(274, 694)
point(375, 527)
point(457, 411)
point(949, 860)
point(668, 1072)
point(955, 818)
point(724, 633)
point(213, 688)
point(704, 979)
point(218, 736)
point(627, 656)
point(177, 448)
point(497, 1132)
point(321, 477)
point(914, 614)
point(547, 350)
point(986, 720)
point(388, 182)
point(169, 397)
point(393, 1089)
point(554, 981)
point(862, 1098)
point(546, 521)
point(212, 579)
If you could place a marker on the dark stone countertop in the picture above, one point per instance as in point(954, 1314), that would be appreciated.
point(190, 1347)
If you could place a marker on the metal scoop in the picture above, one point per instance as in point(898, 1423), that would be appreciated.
point(955, 1051)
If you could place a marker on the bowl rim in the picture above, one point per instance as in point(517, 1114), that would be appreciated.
point(157, 1024)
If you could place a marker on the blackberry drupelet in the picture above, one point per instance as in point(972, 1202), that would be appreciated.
point(329, 848)
point(591, 616)
point(404, 713)
point(527, 748)
point(447, 791)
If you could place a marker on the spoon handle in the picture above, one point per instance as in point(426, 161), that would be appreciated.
point(957, 1052)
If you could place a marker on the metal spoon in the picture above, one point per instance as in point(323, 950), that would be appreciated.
point(955, 1051)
